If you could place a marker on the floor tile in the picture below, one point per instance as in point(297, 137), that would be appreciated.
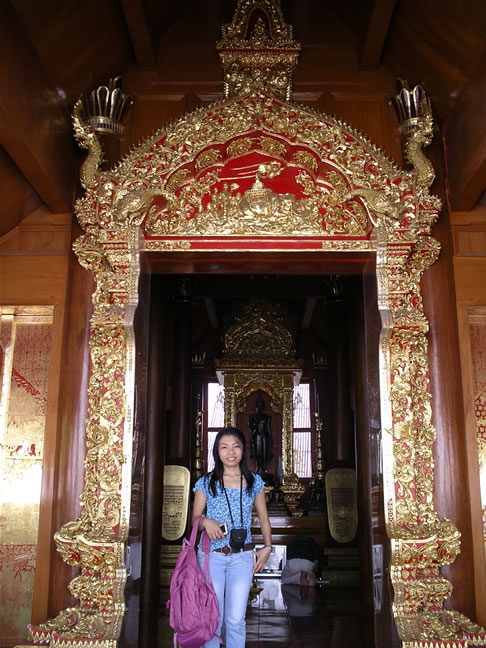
point(296, 618)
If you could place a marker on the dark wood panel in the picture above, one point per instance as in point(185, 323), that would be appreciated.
point(438, 44)
point(447, 405)
point(20, 199)
point(466, 144)
point(286, 528)
point(473, 475)
point(79, 44)
point(71, 446)
point(35, 127)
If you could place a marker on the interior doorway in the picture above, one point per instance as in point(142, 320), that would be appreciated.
point(328, 315)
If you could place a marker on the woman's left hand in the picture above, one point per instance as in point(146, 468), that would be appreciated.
point(261, 559)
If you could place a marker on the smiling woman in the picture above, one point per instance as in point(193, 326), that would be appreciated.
point(228, 494)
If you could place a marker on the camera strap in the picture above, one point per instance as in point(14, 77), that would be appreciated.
point(241, 501)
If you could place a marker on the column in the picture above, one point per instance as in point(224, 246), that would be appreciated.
point(341, 442)
point(180, 427)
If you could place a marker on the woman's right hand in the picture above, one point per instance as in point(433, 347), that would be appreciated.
point(212, 528)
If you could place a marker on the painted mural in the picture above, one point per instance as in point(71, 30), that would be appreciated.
point(25, 339)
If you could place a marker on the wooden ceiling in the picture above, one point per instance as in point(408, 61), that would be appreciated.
point(53, 51)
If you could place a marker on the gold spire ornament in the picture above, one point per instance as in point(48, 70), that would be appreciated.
point(106, 106)
point(257, 50)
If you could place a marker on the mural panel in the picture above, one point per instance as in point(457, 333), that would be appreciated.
point(25, 338)
point(477, 321)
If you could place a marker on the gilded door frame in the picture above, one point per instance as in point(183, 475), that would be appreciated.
point(167, 196)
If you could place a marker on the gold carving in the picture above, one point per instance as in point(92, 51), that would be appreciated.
point(176, 179)
point(106, 106)
point(197, 470)
point(272, 146)
point(293, 491)
point(260, 211)
point(307, 160)
point(87, 138)
point(240, 146)
point(207, 158)
point(260, 55)
point(259, 355)
point(318, 473)
point(379, 204)
point(416, 127)
point(167, 245)
point(342, 506)
point(258, 339)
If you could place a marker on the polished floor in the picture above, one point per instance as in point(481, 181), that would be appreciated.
point(295, 617)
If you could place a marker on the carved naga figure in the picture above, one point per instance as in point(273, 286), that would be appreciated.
point(414, 113)
point(416, 140)
point(86, 138)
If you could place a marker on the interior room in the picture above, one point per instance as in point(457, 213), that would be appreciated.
point(333, 337)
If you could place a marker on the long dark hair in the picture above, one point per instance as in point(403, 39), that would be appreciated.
point(218, 470)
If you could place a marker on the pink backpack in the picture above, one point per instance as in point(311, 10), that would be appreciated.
point(194, 611)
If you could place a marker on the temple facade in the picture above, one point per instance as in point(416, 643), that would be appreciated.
point(262, 216)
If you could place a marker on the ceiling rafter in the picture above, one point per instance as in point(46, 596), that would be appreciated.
point(465, 139)
point(140, 34)
point(35, 127)
point(376, 33)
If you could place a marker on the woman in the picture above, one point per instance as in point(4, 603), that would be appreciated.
point(228, 494)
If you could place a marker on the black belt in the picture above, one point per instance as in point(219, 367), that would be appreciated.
point(226, 550)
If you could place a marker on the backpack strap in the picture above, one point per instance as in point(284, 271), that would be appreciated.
point(195, 527)
point(206, 547)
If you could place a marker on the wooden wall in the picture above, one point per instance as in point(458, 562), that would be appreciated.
point(34, 271)
point(469, 241)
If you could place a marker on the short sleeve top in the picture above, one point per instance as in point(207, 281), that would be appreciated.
point(217, 506)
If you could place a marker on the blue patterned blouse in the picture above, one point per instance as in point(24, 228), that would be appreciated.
point(217, 507)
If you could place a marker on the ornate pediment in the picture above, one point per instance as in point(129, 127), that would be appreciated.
point(258, 340)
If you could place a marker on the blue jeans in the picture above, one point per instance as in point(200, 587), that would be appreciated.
point(231, 576)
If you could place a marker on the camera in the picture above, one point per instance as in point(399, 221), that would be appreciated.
point(224, 528)
point(237, 538)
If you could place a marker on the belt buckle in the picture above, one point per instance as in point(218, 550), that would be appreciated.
point(226, 550)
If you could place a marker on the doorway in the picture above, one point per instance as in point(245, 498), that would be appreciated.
point(317, 308)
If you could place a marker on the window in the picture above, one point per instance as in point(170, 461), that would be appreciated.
point(215, 417)
point(302, 426)
point(302, 432)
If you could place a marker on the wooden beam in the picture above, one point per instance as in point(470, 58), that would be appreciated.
point(465, 138)
point(140, 35)
point(212, 314)
point(376, 34)
point(310, 304)
point(35, 126)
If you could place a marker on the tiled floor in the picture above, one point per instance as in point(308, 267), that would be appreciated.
point(295, 617)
